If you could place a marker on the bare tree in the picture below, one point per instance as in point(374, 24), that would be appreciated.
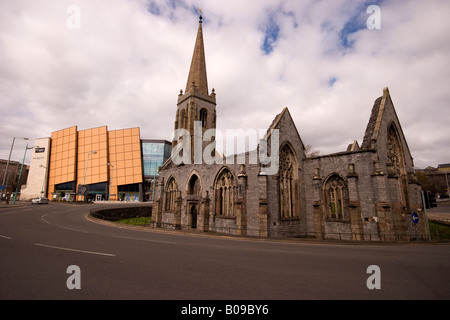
point(310, 153)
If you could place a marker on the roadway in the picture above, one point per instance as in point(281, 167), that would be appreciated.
point(39, 242)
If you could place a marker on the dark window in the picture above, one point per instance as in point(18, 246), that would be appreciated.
point(204, 117)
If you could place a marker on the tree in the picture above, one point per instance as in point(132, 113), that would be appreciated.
point(310, 153)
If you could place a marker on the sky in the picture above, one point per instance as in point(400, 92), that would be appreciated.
point(122, 63)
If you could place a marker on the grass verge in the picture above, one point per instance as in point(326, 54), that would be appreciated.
point(140, 221)
point(439, 231)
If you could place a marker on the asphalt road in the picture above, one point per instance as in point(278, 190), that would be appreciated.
point(39, 242)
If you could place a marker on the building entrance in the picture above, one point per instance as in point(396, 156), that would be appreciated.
point(193, 216)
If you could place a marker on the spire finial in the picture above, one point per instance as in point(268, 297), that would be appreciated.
point(200, 18)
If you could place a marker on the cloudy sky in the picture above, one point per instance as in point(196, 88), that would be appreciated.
point(123, 63)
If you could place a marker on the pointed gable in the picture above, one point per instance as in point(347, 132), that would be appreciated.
point(287, 131)
point(383, 121)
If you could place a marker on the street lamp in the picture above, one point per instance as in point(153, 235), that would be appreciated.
point(153, 186)
point(45, 176)
point(85, 168)
point(110, 183)
point(20, 173)
point(446, 179)
point(7, 163)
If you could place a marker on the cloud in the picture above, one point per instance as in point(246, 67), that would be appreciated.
point(125, 66)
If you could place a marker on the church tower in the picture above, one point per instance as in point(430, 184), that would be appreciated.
point(196, 106)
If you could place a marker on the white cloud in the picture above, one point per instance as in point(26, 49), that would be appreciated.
point(127, 63)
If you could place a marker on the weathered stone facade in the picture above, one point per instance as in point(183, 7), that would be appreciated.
point(364, 193)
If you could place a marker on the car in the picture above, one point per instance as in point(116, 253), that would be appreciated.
point(39, 200)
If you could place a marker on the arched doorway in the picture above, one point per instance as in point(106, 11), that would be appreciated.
point(193, 199)
point(193, 215)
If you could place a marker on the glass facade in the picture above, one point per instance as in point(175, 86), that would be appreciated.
point(154, 154)
point(65, 191)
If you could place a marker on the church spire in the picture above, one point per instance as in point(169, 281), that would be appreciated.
point(197, 72)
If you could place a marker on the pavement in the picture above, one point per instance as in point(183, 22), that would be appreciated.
point(11, 205)
point(440, 213)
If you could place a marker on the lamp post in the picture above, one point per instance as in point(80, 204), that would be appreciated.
point(110, 183)
point(45, 176)
point(85, 168)
point(7, 163)
point(20, 173)
point(446, 179)
point(153, 186)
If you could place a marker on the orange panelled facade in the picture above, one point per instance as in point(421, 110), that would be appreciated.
point(125, 157)
point(95, 157)
point(63, 155)
point(92, 167)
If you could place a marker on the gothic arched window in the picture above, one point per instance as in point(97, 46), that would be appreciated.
point(396, 166)
point(194, 186)
point(336, 197)
point(204, 117)
point(171, 195)
point(395, 158)
point(225, 194)
point(287, 178)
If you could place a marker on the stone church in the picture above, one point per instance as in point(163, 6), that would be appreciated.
point(367, 192)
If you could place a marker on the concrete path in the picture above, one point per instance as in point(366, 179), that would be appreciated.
point(441, 212)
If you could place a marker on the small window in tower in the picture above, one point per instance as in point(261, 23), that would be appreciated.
point(183, 119)
point(203, 117)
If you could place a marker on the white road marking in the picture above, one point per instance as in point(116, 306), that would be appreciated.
point(9, 238)
point(42, 218)
point(75, 250)
point(10, 211)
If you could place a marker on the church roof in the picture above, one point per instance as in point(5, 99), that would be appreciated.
point(197, 72)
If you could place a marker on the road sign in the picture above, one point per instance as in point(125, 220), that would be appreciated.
point(415, 217)
point(2, 188)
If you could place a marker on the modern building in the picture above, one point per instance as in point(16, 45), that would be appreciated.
point(36, 184)
point(445, 167)
point(108, 163)
point(154, 154)
point(95, 164)
point(13, 175)
point(435, 180)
